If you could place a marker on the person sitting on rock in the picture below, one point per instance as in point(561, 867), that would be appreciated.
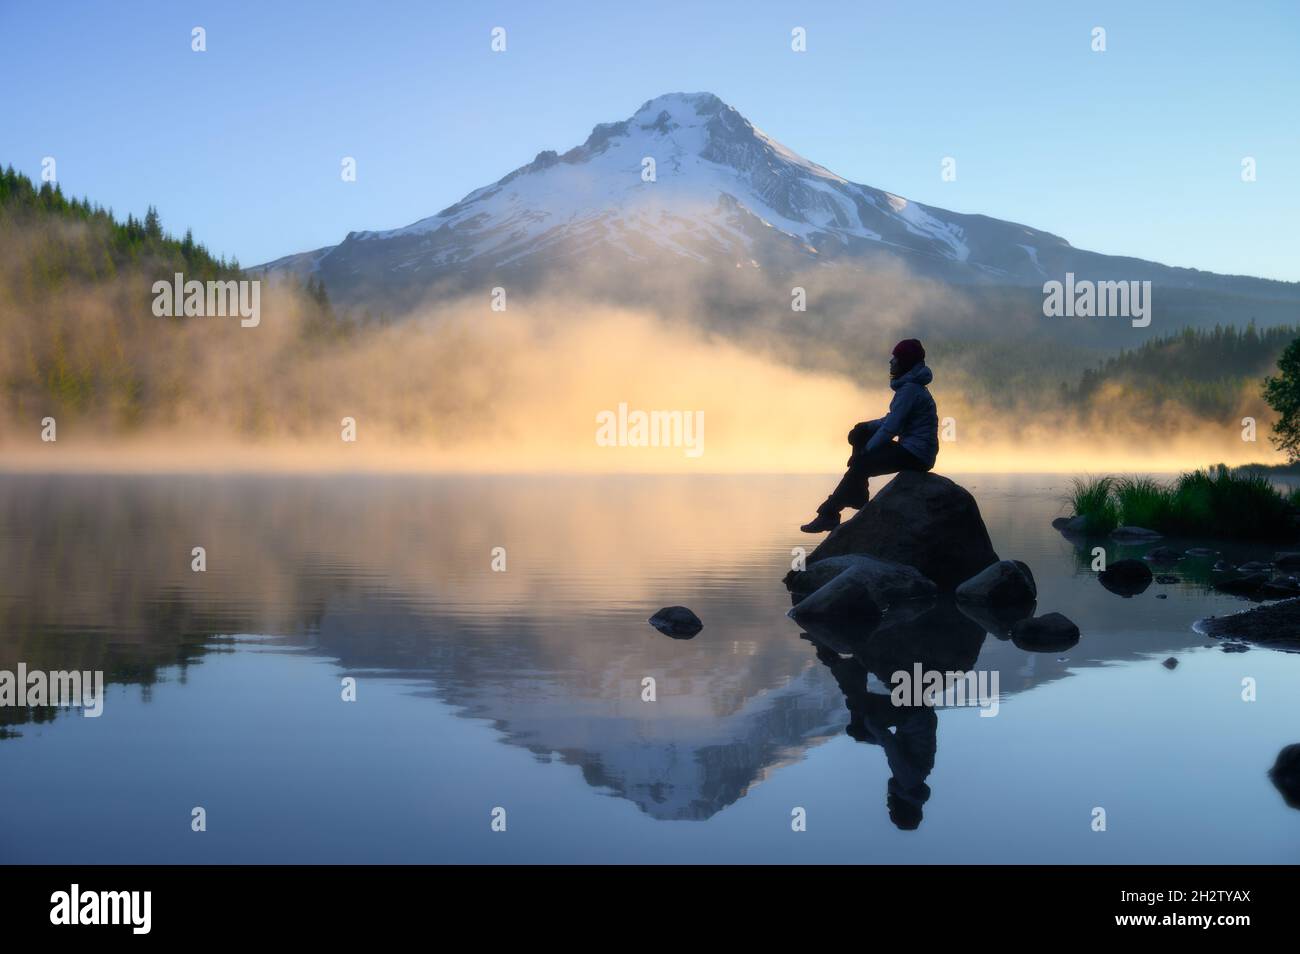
point(912, 419)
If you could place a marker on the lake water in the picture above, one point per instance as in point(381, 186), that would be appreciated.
point(521, 690)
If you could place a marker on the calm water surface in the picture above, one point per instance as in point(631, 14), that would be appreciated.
point(522, 689)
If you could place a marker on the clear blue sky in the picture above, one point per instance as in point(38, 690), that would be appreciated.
point(1133, 151)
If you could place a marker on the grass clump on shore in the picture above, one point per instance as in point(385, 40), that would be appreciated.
point(1091, 498)
point(1214, 502)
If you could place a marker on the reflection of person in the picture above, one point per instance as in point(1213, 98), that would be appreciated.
point(912, 418)
point(909, 749)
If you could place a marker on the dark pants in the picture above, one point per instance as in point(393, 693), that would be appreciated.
point(852, 489)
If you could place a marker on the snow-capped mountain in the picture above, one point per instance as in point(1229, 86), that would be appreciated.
point(687, 177)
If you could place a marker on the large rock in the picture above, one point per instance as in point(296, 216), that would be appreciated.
point(846, 597)
point(1005, 583)
point(886, 582)
point(921, 520)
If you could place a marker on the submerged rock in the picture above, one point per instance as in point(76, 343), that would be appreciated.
point(1163, 555)
point(933, 634)
point(1050, 633)
point(1242, 585)
point(1278, 590)
point(923, 521)
point(1005, 583)
point(1285, 774)
point(1072, 526)
point(886, 582)
point(1134, 534)
point(677, 622)
point(996, 620)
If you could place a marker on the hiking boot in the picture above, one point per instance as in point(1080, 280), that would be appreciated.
point(822, 522)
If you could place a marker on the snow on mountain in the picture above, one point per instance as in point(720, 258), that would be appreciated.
point(723, 193)
point(703, 152)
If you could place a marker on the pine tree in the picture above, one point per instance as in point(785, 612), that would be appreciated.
point(1283, 395)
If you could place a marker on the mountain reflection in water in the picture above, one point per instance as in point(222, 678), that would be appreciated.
point(390, 580)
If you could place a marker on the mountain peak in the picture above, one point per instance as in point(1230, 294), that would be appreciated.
point(684, 108)
point(687, 176)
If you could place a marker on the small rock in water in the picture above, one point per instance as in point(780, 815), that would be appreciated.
point(1126, 577)
point(1205, 552)
point(677, 622)
point(1048, 633)
point(1075, 525)
point(1162, 596)
point(1223, 566)
point(1255, 566)
point(1127, 571)
point(1005, 583)
point(1060, 523)
point(1168, 578)
point(1170, 663)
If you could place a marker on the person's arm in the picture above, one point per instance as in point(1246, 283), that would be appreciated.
point(899, 408)
point(862, 432)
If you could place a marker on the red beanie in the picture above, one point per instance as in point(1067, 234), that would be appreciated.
point(909, 353)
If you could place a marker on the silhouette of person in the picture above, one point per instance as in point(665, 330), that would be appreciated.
point(909, 749)
point(912, 419)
